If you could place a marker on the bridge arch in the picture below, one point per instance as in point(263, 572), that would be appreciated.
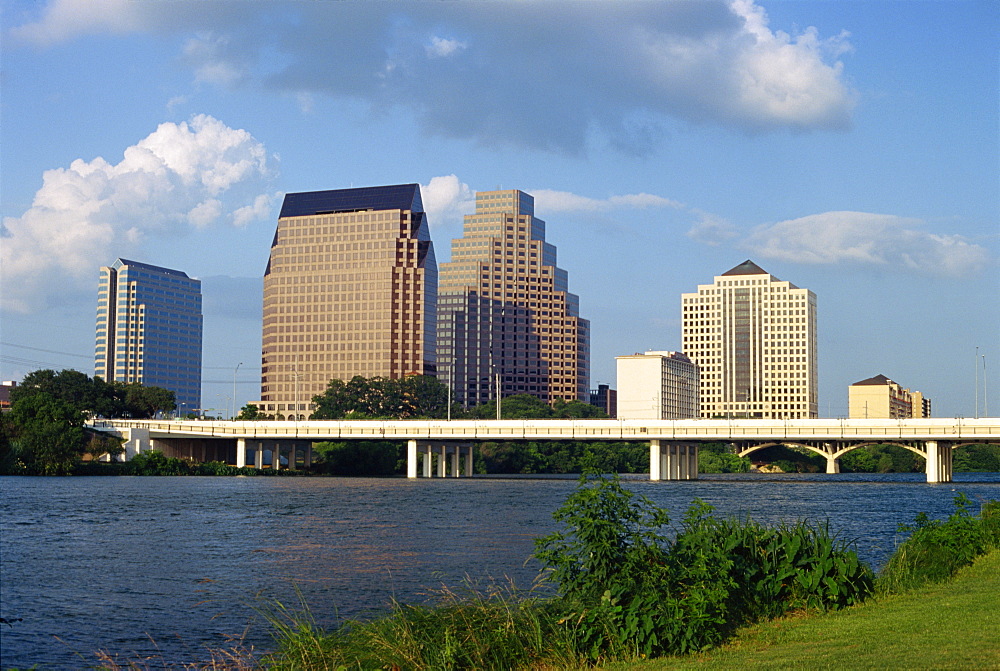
point(831, 450)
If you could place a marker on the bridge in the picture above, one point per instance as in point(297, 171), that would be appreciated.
point(445, 447)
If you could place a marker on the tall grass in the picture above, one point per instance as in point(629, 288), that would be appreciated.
point(497, 627)
point(936, 549)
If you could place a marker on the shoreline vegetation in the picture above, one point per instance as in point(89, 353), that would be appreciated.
point(626, 587)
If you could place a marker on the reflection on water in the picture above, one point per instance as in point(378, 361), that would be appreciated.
point(123, 563)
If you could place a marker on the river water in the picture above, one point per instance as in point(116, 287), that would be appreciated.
point(162, 567)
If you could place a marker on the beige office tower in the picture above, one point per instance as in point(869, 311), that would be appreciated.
point(507, 322)
point(753, 338)
point(349, 289)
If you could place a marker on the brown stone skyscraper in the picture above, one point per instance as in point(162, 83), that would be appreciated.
point(349, 289)
point(506, 319)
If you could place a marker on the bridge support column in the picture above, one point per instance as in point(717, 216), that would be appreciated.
point(832, 465)
point(411, 458)
point(468, 461)
point(428, 460)
point(276, 456)
point(673, 461)
point(938, 461)
point(258, 455)
point(241, 452)
point(655, 456)
point(454, 462)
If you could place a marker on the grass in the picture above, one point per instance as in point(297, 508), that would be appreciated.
point(950, 625)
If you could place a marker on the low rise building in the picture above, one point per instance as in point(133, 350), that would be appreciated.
point(880, 398)
point(658, 385)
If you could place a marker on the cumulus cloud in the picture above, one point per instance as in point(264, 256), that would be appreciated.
point(550, 75)
point(181, 175)
point(446, 200)
point(868, 239)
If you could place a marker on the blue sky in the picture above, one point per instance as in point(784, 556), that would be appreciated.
point(851, 148)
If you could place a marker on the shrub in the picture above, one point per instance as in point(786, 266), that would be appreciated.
point(625, 590)
point(936, 549)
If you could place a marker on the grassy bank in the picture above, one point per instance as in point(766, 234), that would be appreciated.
point(949, 625)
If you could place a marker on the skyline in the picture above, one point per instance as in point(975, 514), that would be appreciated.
point(834, 144)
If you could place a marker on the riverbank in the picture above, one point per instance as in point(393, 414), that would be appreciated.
point(949, 625)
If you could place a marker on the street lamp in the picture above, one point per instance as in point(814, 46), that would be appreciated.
point(234, 387)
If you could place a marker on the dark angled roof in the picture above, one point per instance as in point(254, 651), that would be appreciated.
point(117, 265)
point(748, 267)
point(877, 380)
point(395, 197)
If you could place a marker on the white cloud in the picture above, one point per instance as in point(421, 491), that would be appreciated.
point(442, 48)
point(212, 59)
point(85, 215)
point(868, 239)
point(259, 210)
point(564, 201)
point(66, 19)
point(583, 71)
point(446, 200)
point(711, 229)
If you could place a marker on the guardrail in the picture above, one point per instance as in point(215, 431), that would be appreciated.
point(974, 430)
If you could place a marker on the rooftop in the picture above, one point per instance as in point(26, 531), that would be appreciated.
point(393, 197)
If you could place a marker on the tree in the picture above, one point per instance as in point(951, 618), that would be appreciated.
point(251, 413)
point(50, 432)
point(144, 402)
point(519, 406)
point(382, 398)
point(576, 409)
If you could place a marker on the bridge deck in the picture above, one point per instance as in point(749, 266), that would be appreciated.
point(952, 430)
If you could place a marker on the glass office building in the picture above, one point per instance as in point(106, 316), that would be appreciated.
point(507, 323)
point(350, 289)
point(149, 329)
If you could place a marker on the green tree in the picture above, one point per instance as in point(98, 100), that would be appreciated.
point(50, 433)
point(576, 409)
point(411, 397)
point(519, 406)
point(251, 413)
point(144, 402)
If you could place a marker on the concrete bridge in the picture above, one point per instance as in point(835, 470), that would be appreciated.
point(445, 447)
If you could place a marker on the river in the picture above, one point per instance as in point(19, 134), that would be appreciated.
point(161, 567)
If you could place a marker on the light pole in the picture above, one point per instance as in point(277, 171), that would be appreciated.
point(234, 387)
point(977, 384)
point(986, 397)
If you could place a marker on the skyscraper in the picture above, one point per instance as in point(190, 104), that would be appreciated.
point(753, 337)
point(507, 323)
point(149, 328)
point(349, 289)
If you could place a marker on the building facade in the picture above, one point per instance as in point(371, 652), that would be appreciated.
point(657, 385)
point(605, 398)
point(507, 323)
point(753, 338)
point(350, 289)
point(880, 398)
point(149, 329)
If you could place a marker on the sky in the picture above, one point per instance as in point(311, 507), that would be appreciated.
point(851, 148)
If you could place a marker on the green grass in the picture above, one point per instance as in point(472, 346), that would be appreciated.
point(949, 625)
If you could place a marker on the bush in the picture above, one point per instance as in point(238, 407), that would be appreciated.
point(625, 590)
point(936, 549)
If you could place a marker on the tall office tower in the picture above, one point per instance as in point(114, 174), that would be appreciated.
point(507, 323)
point(754, 339)
point(149, 327)
point(349, 289)
point(657, 385)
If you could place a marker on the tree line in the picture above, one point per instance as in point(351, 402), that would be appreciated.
point(45, 434)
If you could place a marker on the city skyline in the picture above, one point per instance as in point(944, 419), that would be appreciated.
point(833, 143)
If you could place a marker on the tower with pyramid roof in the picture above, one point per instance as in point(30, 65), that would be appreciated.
point(753, 338)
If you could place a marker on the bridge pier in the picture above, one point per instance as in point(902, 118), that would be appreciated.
point(939, 461)
point(445, 453)
point(673, 461)
point(832, 465)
